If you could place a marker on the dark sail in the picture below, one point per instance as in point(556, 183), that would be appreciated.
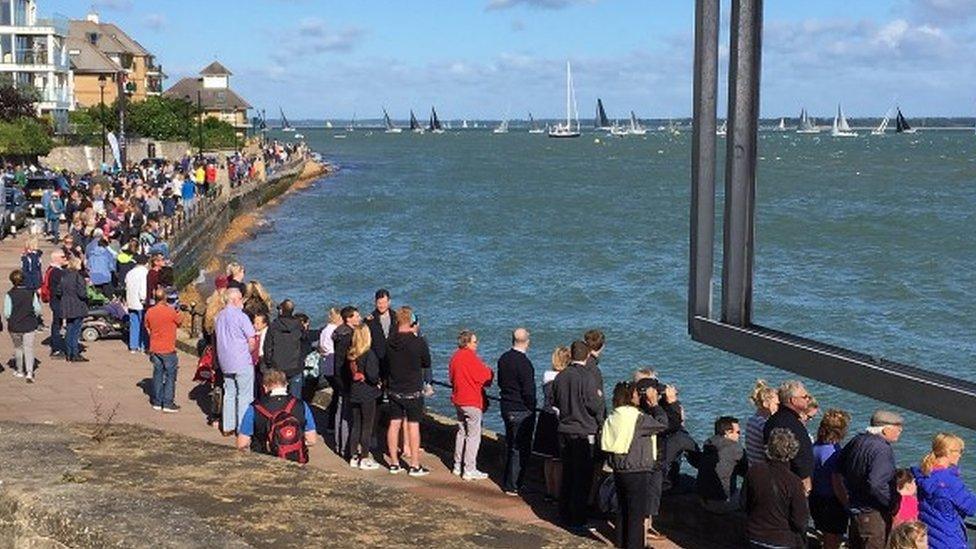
point(284, 121)
point(435, 124)
point(601, 116)
point(414, 125)
point(387, 121)
point(901, 125)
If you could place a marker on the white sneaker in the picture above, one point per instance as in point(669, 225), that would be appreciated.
point(355, 462)
point(18, 374)
point(367, 464)
point(457, 470)
point(474, 475)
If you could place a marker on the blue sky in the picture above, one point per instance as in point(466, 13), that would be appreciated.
point(486, 58)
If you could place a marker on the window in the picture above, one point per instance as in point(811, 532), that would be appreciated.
point(734, 329)
point(93, 38)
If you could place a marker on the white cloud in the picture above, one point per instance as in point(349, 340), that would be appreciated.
point(314, 36)
point(155, 21)
point(541, 4)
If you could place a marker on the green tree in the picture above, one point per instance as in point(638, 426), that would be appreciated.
point(16, 102)
point(24, 137)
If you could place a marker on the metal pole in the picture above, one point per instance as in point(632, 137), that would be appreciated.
point(122, 144)
point(740, 161)
point(101, 112)
point(200, 122)
point(703, 160)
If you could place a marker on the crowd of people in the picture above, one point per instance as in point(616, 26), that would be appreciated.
point(267, 359)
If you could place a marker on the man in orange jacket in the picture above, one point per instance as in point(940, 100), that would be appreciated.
point(469, 376)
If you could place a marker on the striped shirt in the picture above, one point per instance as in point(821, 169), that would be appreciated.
point(755, 445)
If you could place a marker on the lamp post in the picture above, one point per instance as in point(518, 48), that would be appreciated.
point(102, 81)
point(200, 121)
point(189, 118)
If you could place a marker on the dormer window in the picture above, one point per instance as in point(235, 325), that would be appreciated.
point(93, 38)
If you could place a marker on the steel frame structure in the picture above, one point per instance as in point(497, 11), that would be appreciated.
point(940, 396)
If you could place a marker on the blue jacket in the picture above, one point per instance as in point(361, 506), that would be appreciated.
point(867, 464)
point(943, 503)
point(101, 264)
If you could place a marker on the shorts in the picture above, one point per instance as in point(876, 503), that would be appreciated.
point(410, 408)
point(828, 514)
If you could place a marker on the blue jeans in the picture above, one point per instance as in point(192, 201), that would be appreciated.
point(73, 334)
point(518, 441)
point(295, 385)
point(54, 227)
point(137, 335)
point(164, 379)
point(238, 395)
point(57, 339)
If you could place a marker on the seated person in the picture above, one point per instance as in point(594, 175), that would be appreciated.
point(720, 460)
point(277, 424)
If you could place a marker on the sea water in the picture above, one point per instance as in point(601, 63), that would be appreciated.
point(865, 243)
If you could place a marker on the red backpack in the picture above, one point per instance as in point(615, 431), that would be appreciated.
point(45, 289)
point(286, 438)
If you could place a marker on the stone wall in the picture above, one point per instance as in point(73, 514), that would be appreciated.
point(84, 158)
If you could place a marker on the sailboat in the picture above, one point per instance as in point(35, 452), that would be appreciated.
point(533, 127)
point(328, 125)
point(601, 122)
point(502, 128)
point(673, 129)
point(435, 125)
point(352, 123)
point(464, 124)
point(806, 123)
point(841, 128)
point(390, 128)
point(619, 131)
point(883, 126)
point(901, 125)
point(415, 126)
point(636, 128)
point(782, 125)
point(722, 130)
point(285, 126)
point(567, 130)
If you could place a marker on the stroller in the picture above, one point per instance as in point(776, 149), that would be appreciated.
point(208, 375)
point(105, 321)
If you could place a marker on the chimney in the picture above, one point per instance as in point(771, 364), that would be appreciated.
point(92, 17)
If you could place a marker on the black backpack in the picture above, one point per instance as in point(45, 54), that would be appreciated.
point(286, 438)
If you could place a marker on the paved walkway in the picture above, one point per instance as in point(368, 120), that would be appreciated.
point(115, 380)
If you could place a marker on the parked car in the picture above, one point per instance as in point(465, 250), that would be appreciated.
point(15, 210)
point(34, 191)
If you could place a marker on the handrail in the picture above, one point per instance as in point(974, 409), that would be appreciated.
point(488, 395)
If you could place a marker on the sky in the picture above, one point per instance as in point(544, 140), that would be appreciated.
point(504, 58)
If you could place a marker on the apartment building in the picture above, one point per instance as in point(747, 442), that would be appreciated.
point(33, 53)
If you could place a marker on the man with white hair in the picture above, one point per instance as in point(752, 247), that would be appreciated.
point(516, 387)
point(235, 343)
point(794, 399)
point(53, 293)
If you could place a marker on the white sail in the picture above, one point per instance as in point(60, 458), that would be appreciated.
point(723, 129)
point(883, 126)
point(502, 128)
point(840, 127)
point(567, 130)
point(782, 125)
point(842, 123)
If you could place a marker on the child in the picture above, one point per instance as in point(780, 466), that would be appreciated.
point(908, 509)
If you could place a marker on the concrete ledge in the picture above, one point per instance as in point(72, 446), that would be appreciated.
point(60, 488)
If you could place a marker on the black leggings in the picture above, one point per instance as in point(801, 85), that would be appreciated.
point(632, 491)
point(361, 432)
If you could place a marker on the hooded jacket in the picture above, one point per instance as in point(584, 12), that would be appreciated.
point(943, 502)
point(283, 345)
point(628, 438)
point(721, 458)
point(408, 355)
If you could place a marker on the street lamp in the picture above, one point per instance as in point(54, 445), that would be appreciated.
point(189, 118)
point(200, 121)
point(102, 81)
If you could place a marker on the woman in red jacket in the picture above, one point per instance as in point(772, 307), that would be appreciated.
point(469, 376)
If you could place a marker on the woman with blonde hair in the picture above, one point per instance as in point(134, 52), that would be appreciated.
point(235, 276)
point(365, 389)
point(257, 300)
point(766, 400)
point(943, 499)
point(215, 304)
point(909, 535)
point(546, 443)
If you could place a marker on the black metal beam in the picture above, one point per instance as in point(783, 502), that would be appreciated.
point(740, 164)
point(703, 160)
point(910, 387)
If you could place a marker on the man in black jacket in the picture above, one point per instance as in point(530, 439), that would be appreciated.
point(793, 403)
point(57, 321)
point(579, 401)
point(408, 355)
point(283, 347)
point(516, 387)
point(867, 465)
point(382, 323)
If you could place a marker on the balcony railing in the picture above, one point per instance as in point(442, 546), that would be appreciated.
point(57, 21)
point(54, 95)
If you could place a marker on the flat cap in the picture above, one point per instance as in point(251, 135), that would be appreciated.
point(885, 417)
